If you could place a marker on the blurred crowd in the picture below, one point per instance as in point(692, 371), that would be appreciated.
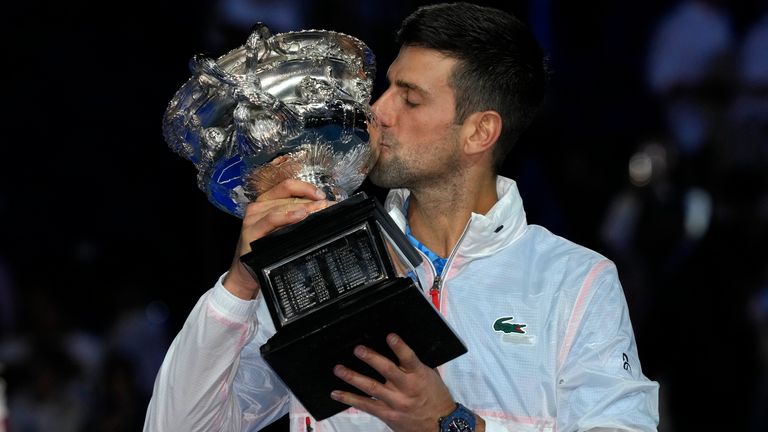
point(690, 228)
point(652, 149)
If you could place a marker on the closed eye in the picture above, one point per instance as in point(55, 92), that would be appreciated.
point(409, 91)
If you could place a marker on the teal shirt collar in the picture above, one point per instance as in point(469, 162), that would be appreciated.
point(436, 260)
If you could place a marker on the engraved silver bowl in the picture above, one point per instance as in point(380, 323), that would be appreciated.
point(289, 105)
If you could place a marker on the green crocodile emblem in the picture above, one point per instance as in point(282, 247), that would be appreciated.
point(502, 326)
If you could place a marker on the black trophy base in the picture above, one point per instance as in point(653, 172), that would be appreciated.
point(304, 357)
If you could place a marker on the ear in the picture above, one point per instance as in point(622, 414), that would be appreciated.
point(480, 131)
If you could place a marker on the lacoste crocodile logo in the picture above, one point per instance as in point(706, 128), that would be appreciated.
point(501, 325)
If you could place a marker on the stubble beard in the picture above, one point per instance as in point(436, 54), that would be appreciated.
point(394, 173)
point(399, 171)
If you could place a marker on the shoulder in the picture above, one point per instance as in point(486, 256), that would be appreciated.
point(551, 251)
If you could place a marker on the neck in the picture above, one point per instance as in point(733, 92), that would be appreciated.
point(438, 215)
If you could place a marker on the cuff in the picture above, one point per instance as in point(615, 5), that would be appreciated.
point(231, 305)
point(494, 426)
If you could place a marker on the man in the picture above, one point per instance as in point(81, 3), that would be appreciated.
point(545, 321)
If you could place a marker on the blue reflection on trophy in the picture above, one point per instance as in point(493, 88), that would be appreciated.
point(290, 105)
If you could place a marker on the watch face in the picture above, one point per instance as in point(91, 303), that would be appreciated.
point(459, 425)
point(460, 420)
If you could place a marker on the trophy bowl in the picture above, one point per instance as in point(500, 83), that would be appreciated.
point(289, 105)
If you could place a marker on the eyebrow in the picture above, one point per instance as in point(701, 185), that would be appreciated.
point(411, 86)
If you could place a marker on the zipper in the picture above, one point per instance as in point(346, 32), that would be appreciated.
point(437, 284)
point(434, 292)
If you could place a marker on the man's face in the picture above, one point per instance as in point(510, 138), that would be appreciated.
point(416, 137)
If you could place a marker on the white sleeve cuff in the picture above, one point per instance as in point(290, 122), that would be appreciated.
point(229, 304)
point(494, 426)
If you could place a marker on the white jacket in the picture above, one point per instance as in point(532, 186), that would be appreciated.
point(567, 361)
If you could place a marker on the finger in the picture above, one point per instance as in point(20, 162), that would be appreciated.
point(292, 188)
point(383, 365)
point(257, 209)
point(256, 228)
point(293, 205)
point(263, 218)
point(285, 214)
point(274, 219)
point(363, 383)
point(266, 217)
point(371, 406)
point(408, 359)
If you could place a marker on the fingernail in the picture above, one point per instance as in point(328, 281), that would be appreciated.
point(392, 339)
point(319, 193)
point(360, 351)
point(339, 371)
point(336, 395)
point(299, 212)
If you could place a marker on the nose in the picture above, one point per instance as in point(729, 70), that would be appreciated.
point(382, 109)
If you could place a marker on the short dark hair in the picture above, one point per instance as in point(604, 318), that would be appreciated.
point(501, 66)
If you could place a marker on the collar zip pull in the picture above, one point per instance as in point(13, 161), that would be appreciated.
point(434, 292)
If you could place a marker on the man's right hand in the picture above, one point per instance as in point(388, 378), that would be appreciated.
point(287, 203)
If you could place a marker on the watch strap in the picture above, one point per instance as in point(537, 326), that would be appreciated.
point(460, 419)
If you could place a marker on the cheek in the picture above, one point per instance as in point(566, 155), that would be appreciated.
point(422, 127)
point(427, 131)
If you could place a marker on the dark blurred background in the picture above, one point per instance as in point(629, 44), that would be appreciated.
point(651, 148)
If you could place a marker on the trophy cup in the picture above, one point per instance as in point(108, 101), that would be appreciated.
point(296, 105)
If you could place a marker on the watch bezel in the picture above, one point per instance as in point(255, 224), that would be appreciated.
point(462, 414)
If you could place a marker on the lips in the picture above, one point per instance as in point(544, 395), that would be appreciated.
point(378, 135)
point(384, 139)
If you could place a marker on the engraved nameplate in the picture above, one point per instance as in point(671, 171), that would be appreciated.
point(318, 276)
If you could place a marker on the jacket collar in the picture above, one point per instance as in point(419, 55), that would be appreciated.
point(486, 234)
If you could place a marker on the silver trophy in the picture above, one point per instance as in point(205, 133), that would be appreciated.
point(295, 105)
point(289, 105)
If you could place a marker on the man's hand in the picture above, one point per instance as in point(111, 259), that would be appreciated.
point(413, 397)
point(287, 203)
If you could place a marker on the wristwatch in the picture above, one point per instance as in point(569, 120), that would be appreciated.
point(459, 420)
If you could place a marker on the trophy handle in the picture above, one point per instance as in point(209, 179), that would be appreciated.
point(397, 236)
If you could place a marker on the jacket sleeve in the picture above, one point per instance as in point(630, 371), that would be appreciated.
point(212, 377)
point(600, 384)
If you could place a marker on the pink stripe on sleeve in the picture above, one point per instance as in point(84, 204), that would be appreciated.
point(578, 311)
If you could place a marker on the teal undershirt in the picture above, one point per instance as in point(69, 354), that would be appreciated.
point(437, 261)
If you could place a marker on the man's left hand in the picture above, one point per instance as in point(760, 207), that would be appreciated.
point(413, 397)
